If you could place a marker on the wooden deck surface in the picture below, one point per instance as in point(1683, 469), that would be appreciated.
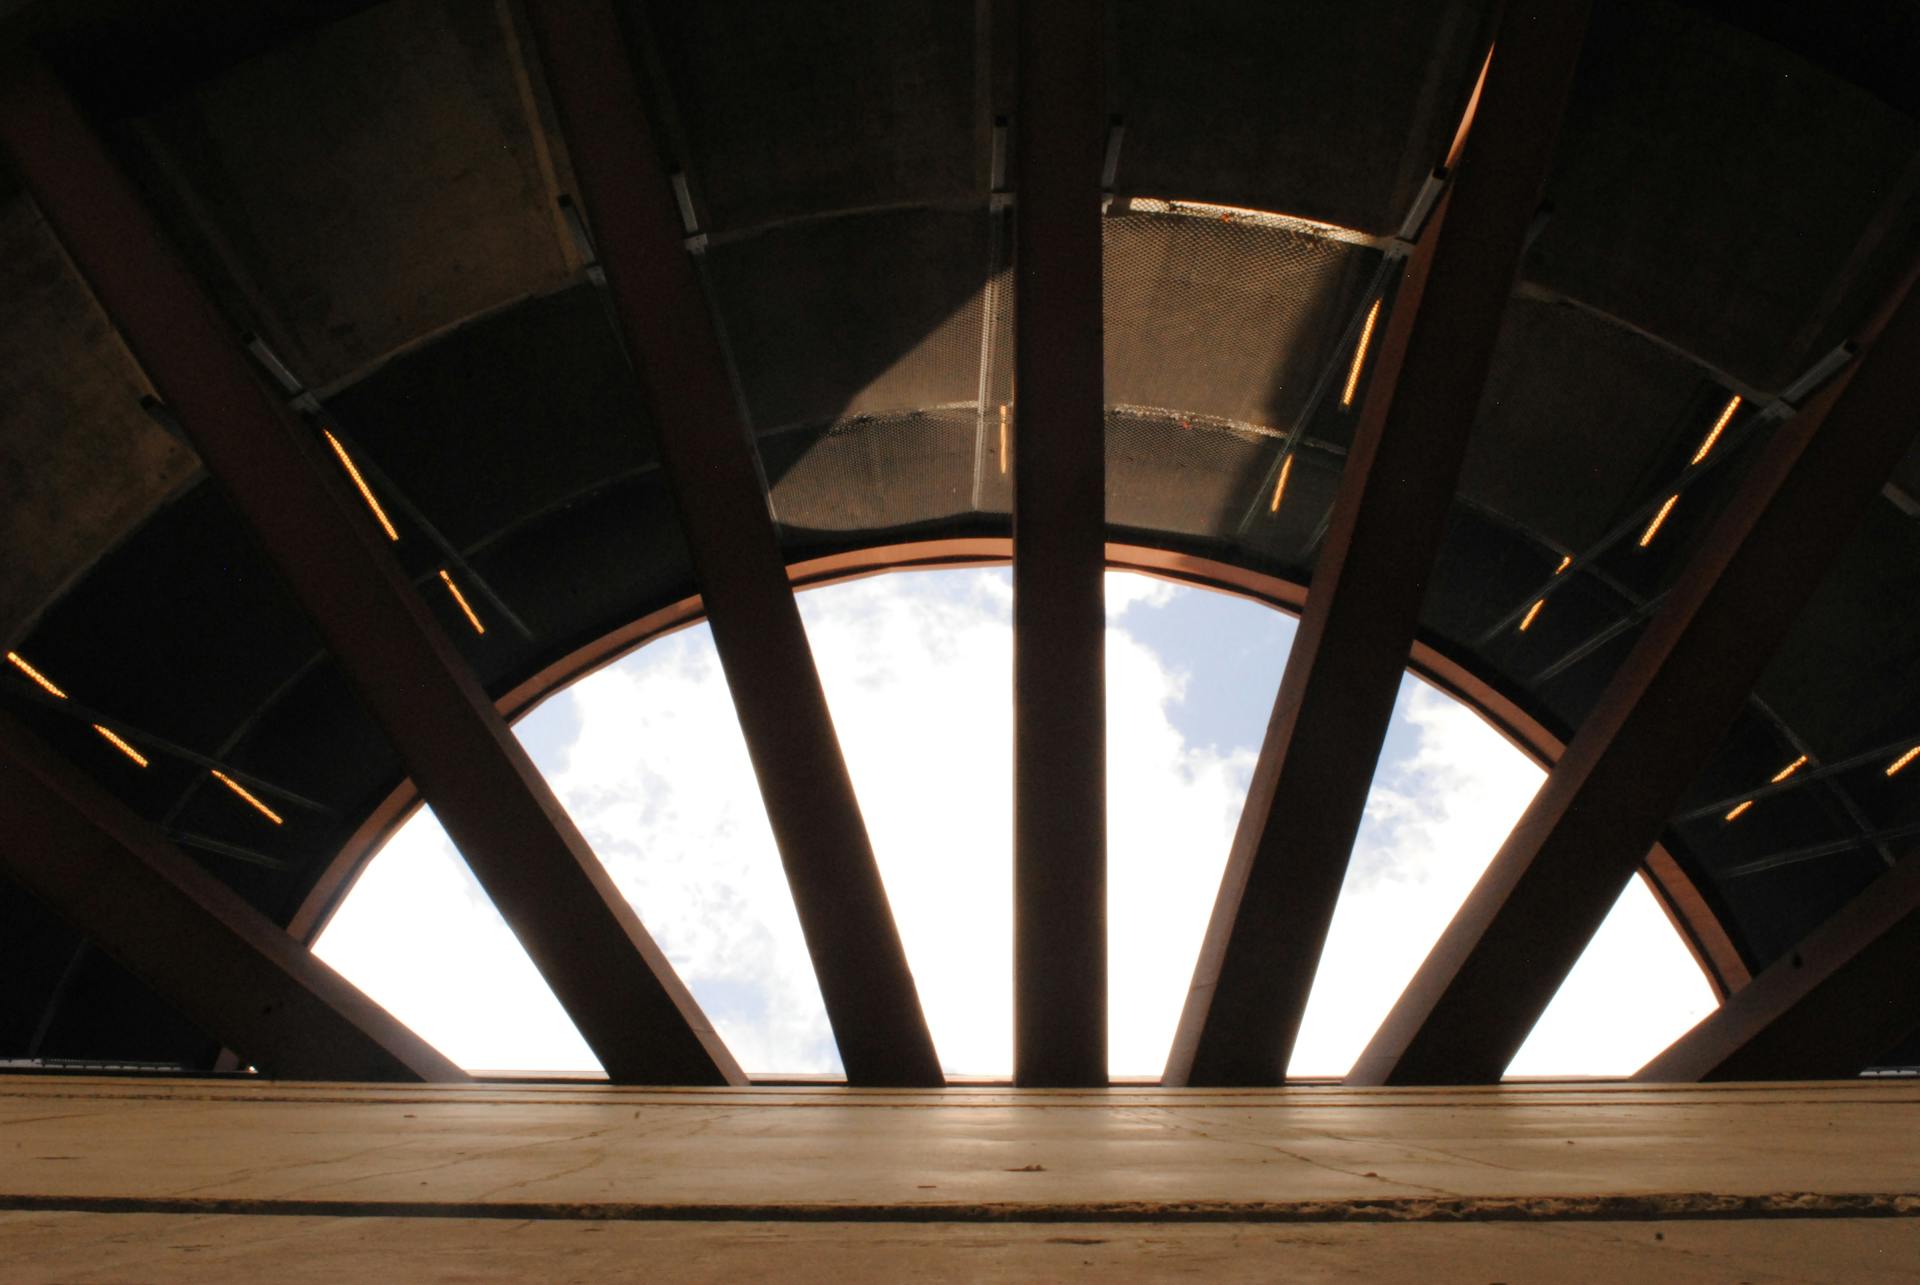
point(125, 1179)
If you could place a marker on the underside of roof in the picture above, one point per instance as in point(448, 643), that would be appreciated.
point(381, 202)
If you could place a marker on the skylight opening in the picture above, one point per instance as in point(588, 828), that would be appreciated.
point(646, 755)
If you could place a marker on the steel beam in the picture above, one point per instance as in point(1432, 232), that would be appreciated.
point(708, 459)
point(1310, 784)
point(220, 963)
point(1825, 1009)
point(1059, 533)
point(606, 971)
point(1521, 930)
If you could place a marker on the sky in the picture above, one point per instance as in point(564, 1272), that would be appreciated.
point(646, 755)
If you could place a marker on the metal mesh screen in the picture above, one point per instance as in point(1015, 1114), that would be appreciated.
point(1219, 325)
point(1223, 315)
point(872, 473)
point(865, 315)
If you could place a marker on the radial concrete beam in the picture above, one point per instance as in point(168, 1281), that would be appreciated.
point(219, 962)
point(870, 997)
point(1310, 784)
point(1825, 1009)
point(606, 971)
point(1059, 551)
point(1512, 944)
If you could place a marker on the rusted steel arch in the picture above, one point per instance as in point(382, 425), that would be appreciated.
point(1059, 533)
point(1499, 963)
point(871, 1001)
point(606, 971)
point(1309, 789)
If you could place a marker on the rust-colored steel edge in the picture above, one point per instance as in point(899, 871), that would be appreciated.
point(1499, 963)
point(1304, 807)
point(865, 983)
point(222, 964)
point(606, 971)
point(1824, 1010)
point(1688, 910)
point(1059, 539)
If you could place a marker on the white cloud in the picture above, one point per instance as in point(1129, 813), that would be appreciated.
point(1125, 590)
point(917, 670)
point(1434, 820)
point(420, 936)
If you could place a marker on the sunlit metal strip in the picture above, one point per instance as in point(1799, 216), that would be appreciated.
point(1360, 354)
point(1391, 263)
point(1785, 773)
point(456, 559)
point(161, 745)
point(1653, 527)
point(1533, 612)
point(1643, 519)
point(1280, 483)
point(248, 795)
point(221, 963)
point(1713, 434)
point(366, 492)
point(1825, 771)
point(461, 599)
point(45, 684)
point(119, 742)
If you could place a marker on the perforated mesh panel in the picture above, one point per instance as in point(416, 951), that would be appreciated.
point(864, 315)
point(1180, 473)
point(878, 473)
point(1222, 316)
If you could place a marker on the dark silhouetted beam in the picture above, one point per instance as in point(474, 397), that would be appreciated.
point(221, 964)
point(868, 989)
point(1520, 931)
point(606, 971)
point(1059, 552)
point(1824, 1010)
point(1309, 788)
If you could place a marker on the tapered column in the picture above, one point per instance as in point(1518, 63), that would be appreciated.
point(869, 992)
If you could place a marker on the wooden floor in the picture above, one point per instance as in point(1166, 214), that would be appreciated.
point(146, 1180)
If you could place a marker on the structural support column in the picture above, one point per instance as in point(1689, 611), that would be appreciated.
point(606, 971)
point(1824, 1010)
point(1310, 784)
point(222, 964)
point(1059, 526)
point(868, 990)
point(1521, 930)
